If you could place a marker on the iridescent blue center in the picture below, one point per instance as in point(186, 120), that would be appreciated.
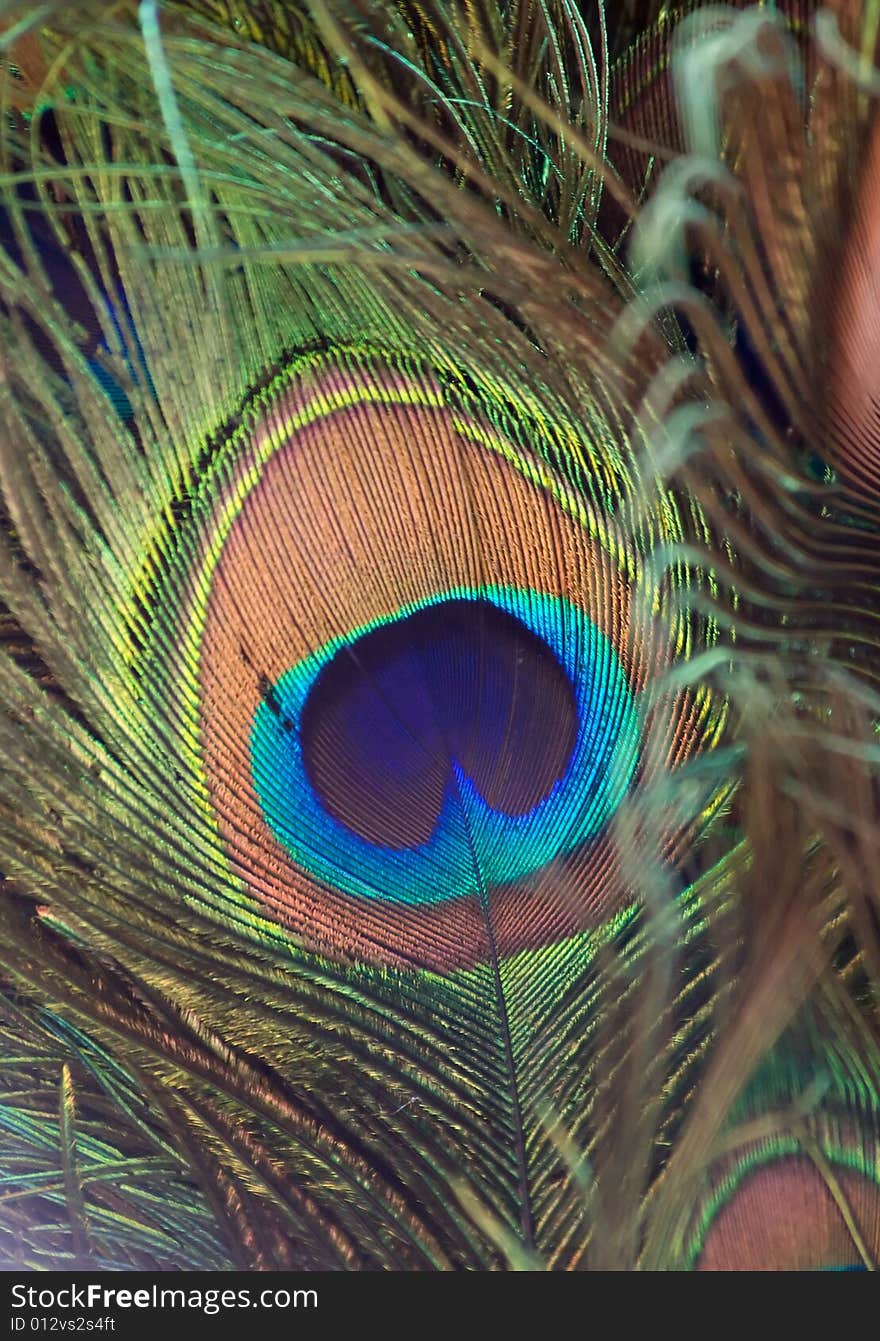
point(465, 742)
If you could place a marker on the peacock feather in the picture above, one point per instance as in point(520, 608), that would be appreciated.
point(440, 465)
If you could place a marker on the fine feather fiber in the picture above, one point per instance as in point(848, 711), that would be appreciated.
point(439, 471)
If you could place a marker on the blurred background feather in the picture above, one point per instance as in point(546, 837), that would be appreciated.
point(439, 476)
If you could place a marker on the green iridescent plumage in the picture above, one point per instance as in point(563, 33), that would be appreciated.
point(438, 702)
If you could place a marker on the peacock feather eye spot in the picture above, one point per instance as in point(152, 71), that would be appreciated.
point(459, 681)
point(785, 1214)
point(489, 730)
point(415, 668)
